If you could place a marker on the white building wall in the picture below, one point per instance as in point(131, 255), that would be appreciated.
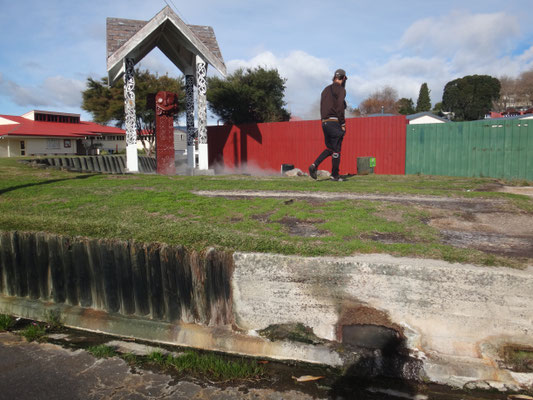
point(3, 147)
point(112, 143)
point(426, 119)
point(10, 147)
point(47, 146)
point(180, 140)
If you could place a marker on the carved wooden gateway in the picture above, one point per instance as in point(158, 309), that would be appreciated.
point(189, 47)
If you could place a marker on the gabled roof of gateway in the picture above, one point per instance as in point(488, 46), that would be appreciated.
point(180, 42)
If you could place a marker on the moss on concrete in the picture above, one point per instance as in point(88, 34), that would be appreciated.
point(518, 359)
point(294, 332)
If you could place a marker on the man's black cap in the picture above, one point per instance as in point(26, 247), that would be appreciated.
point(340, 73)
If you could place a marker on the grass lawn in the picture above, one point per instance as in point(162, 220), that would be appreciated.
point(152, 208)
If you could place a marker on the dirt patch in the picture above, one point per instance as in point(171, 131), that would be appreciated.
point(500, 187)
point(389, 214)
point(498, 233)
point(490, 242)
point(387, 238)
point(305, 228)
point(498, 223)
point(263, 217)
point(490, 187)
point(494, 226)
point(451, 203)
point(523, 190)
point(294, 226)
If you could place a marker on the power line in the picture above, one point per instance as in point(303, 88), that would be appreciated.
point(175, 9)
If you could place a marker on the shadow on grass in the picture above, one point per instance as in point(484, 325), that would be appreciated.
point(9, 189)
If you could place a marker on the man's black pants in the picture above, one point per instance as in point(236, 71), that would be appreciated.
point(333, 135)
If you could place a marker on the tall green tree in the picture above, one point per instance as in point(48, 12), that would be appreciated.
point(405, 106)
point(470, 97)
point(437, 108)
point(106, 103)
point(424, 102)
point(251, 95)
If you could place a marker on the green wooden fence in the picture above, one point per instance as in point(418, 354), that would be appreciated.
point(497, 148)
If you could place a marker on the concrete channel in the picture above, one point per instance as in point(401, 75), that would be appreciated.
point(372, 315)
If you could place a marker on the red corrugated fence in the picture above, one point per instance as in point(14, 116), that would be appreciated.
point(269, 145)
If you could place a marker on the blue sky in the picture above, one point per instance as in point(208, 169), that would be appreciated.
point(49, 48)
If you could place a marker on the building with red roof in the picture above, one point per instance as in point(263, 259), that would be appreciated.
point(55, 133)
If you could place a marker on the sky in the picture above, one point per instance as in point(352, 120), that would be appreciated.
point(48, 49)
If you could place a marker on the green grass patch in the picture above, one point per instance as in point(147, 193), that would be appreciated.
point(102, 351)
point(152, 208)
point(212, 366)
point(6, 322)
point(130, 358)
point(156, 357)
point(53, 320)
point(35, 331)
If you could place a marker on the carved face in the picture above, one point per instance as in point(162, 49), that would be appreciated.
point(166, 99)
point(166, 103)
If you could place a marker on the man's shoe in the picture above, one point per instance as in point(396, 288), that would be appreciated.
point(312, 171)
point(336, 178)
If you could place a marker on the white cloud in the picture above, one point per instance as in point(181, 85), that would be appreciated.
point(55, 91)
point(467, 39)
point(405, 74)
point(305, 74)
point(64, 91)
point(157, 63)
point(446, 48)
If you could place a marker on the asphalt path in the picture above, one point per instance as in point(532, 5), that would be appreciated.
point(35, 371)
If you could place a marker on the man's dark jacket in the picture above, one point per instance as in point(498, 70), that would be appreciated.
point(332, 102)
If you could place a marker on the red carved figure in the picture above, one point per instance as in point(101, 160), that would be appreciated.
point(166, 105)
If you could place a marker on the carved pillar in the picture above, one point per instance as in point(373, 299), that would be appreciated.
point(166, 105)
point(201, 81)
point(132, 160)
point(189, 113)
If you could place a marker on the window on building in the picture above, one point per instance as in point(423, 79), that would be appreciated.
point(52, 144)
point(57, 118)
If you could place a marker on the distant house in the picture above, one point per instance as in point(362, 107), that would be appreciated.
point(180, 139)
point(425, 118)
point(55, 133)
point(511, 113)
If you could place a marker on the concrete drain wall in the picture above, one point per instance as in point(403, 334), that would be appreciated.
point(372, 314)
point(157, 282)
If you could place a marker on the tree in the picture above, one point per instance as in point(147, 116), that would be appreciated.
point(470, 97)
point(251, 95)
point(405, 106)
point(424, 102)
point(106, 104)
point(437, 108)
point(381, 101)
point(515, 92)
point(509, 95)
point(525, 87)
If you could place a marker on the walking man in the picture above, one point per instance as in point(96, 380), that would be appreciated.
point(332, 106)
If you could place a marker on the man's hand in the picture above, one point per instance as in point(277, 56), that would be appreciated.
point(343, 127)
